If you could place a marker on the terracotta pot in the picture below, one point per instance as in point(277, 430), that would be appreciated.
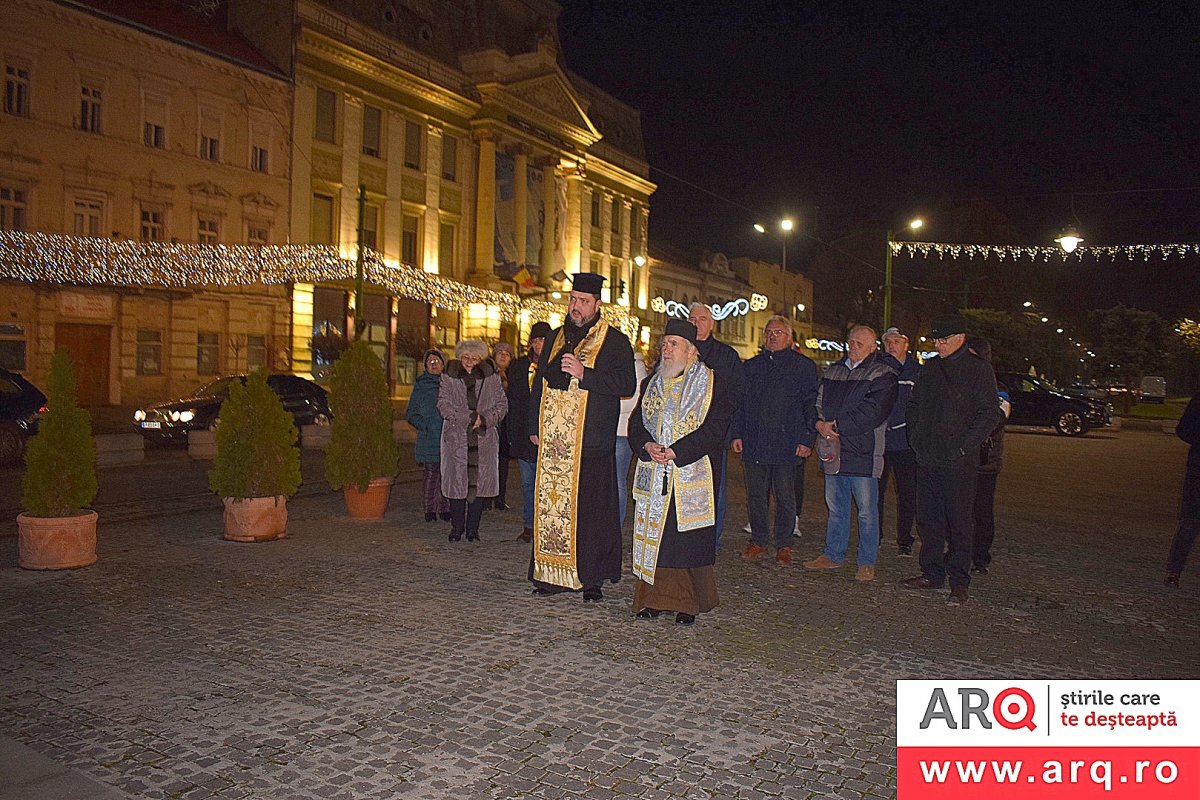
point(369, 504)
point(255, 519)
point(57, 542)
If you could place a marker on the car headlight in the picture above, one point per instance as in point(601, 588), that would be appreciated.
point(187, 416)
point(139, 415)
point(174, 416)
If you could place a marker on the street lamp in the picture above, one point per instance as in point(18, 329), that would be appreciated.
point(1069, 239)
point(786, 226)
point(913, 225)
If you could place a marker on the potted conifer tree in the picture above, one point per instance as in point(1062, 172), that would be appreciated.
point(362, 455)
point(256, 467)
point(57, 531)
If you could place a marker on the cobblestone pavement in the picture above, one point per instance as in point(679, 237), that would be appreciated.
point(377, 660)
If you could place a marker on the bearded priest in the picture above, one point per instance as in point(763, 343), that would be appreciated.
point(678, 431)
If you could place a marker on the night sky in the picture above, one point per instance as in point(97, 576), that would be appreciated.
point(855, 116)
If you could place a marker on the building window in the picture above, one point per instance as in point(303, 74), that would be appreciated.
point(210, 134)
point(154, 123)
point(372, 123)
point(89, 215)
point(207, 353)
point(12, 209)
point(595, 209)
point(207, 230)
point(370, 234)
point(153, 225)
point(635, 227)
point(322, 219)
point(408, 240)
point(257, 234)
point(154, 135)
point(258, 158)
point(16, 89)
point(89, 108)
point(326, 126)
point(12, 347)
point(412, 145)
point(256, 352)
point(149, 352)
point(447, 241)
point(615, 222)
point(450, 158)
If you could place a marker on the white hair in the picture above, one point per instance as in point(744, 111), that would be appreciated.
point(471, 347)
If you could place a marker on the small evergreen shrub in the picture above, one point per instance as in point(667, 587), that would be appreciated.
point(60, 462)
point(255, 438)
point(361, 444)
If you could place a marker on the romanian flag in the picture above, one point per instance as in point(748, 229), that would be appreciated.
point(524, 279)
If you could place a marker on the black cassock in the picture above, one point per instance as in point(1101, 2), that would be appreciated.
point(597, 524)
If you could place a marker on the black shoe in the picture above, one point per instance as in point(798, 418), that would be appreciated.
point(979, 569)
point(473, 537)
point(444, 516)
point(919, 582)
point(684, 619)
point(905, 551)
point(455, 536)
point(958, 596)
point(648, 613)
point(526, 535)
point(592, 594)
point(547, 591)
point(431, 517)
point(1171, 580)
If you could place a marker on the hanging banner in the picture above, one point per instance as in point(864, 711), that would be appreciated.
point(506, 190)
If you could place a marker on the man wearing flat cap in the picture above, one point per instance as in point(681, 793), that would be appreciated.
point(678, 433)
point(952, 410)
point(586, 367)
point(520, 384)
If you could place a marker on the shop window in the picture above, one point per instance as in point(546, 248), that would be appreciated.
point(12, 347)
point(12, 209)
point(208, 352)
point(149, 352)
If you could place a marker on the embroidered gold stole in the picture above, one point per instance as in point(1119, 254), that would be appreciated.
point(562, 415)
point(672, 408)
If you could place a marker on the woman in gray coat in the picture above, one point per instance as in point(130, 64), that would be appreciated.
point(472, 403)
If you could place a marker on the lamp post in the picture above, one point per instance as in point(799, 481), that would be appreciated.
point(786, 225)
point(1069, 239)
point(913, 225)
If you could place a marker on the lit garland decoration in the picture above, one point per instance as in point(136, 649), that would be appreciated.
point(1014, 252)
point(739, 307)
point(62, 259)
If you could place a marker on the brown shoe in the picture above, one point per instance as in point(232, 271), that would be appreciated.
point(784, 555)
point(958, 596)
point(526, 535)
point(754, 552)
point(864, 574)
point(821, 562)
point(920, 582)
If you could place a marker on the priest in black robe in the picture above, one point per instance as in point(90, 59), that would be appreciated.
point(585, 368)
point(678, 433)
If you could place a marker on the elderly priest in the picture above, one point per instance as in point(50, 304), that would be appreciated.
point(678, 431)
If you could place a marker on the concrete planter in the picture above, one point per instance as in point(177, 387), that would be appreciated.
point(370, 504)
point(255, 519)
point(57, 542)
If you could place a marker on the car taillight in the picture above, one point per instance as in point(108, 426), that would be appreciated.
point(42, 410)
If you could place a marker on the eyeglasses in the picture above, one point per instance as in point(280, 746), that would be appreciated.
point(776, 332)
point(945, 339)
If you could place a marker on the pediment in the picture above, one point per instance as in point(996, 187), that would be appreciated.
point(258, 200)
point(208, 189)
point(552, 95)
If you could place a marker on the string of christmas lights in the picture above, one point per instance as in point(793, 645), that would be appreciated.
point(1014, 252)
point(96, 261)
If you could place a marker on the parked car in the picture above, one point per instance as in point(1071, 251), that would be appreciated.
point(173, 420)
point(21, 405)
point(1154, 389)
point(1035, 402)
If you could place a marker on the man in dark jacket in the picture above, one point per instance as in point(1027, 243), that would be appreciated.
point(898, 458)
point(1188, 429)
point(773, 429)
point(520, 379)
point(723, 360)
point(952, 410)
point(853, 404)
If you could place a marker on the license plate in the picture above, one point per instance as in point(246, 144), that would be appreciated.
point(152, 425)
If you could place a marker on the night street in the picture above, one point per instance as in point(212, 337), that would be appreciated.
point(377, 660)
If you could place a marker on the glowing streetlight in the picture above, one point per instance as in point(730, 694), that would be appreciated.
point(913, 225)
point(786, 226)
point(1059, 330)
point(1028, 304)
point(639, 260)
point(759, 227)
point(1069, 239)
point(1045, 319)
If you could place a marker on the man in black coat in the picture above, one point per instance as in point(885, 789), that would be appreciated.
point(953, 408)
point(520, 382)
point(1188, 429)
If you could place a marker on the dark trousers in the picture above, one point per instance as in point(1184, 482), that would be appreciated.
point(799, 487)
point(504, 461)
point(761, 481)
point(902, 466)
point(1189, 526)
point(946, 521)
point(985, 518)
point(435, 503)
point(465, 516)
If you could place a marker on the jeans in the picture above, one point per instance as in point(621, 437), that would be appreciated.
point(946, 520)
point(761, 481)
point(528, 472)
point(624, 455)
point(839, 490)
point(985, 519)
point(902, 464)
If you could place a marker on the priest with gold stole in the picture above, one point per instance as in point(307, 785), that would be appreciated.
point(678, 432)
point(585, 368)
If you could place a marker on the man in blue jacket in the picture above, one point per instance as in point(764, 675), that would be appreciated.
point(898, 458)
point(773, 429)
point(853, 404)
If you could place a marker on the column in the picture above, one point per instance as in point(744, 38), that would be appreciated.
point(549, 200)
point(302, 127)
point(393, 206)
point(347, 226)
point(433, 193)
point(577, 206)
point(627, 250)
point(485, 207)
point(521, 200)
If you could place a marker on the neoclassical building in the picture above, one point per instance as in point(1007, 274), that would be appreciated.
point(478, 155)
point(128, 122)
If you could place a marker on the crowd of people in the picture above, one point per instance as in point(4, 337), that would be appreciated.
point(579, 406)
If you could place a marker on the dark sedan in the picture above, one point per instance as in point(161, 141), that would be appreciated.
point(21, 404)
point(1035, 402)
point(171, 421)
